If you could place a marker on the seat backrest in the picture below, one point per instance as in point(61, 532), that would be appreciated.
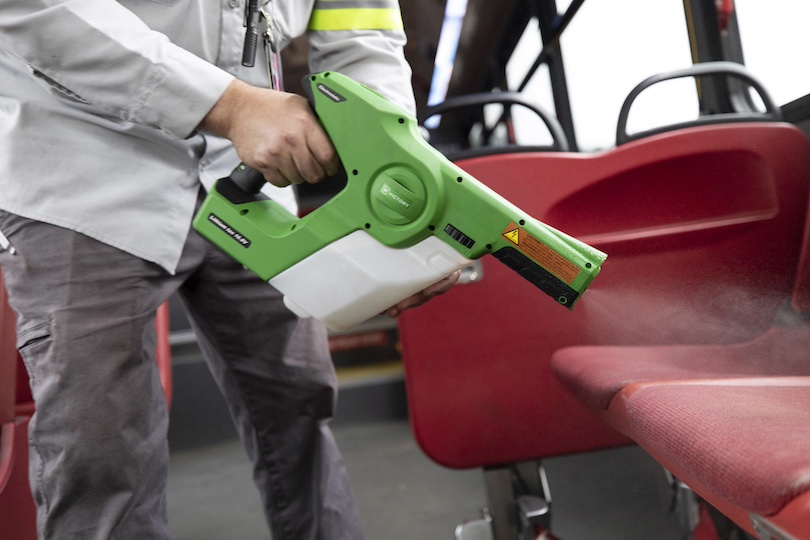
point(801, 292)
point(8, 358)
point(163, 352)
point(703, 230)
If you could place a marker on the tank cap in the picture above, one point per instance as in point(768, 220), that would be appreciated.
point(397, 196)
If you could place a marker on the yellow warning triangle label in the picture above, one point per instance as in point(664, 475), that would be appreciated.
point(513, 236)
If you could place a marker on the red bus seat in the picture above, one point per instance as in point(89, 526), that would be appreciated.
point(8, 351)
point(728, 420)
point(17, 510)
point(163, 351)
point(703, 230)
point(743, 445)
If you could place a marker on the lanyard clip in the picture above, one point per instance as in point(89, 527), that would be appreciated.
point(253, 17)
point(271, 49)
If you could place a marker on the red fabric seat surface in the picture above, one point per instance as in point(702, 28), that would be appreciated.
point(596, 374)
point(730, 419)
point(749, 444)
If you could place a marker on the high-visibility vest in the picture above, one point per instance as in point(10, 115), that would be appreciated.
point(356, 15)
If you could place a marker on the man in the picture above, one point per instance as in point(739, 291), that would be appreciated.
point(111, 116)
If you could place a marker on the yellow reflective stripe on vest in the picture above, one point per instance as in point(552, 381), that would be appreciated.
point(355, 15)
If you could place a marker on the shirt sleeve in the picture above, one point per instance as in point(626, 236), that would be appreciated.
point(105, 54)
point(362, 39)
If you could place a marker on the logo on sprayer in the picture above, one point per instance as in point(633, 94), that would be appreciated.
point(331, 94)
point(386, 190)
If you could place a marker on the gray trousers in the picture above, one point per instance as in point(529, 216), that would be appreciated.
point(98, 450)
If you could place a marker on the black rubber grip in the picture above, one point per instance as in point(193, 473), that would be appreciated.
point(248, 179)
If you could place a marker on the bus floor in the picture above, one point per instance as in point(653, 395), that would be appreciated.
point(612, 494)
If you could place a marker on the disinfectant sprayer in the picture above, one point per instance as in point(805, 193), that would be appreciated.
point(407, 218)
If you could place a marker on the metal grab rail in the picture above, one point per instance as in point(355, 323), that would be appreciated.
point(508, 99)
point(729, 69)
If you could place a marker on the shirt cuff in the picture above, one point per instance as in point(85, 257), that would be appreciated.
point(181, 91)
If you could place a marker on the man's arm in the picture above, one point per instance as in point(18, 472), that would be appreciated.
point(105, 54)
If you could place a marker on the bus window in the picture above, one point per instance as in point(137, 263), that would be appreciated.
point(529, 129)
point(603, 62)
point(776, 45)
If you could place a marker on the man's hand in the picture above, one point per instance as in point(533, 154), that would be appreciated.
point(274, 132)
point(420, 298)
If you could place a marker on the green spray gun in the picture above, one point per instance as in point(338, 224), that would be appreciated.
point(407, 218)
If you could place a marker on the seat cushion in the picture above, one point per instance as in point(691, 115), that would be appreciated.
point(596, 374)
point(748, 444)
